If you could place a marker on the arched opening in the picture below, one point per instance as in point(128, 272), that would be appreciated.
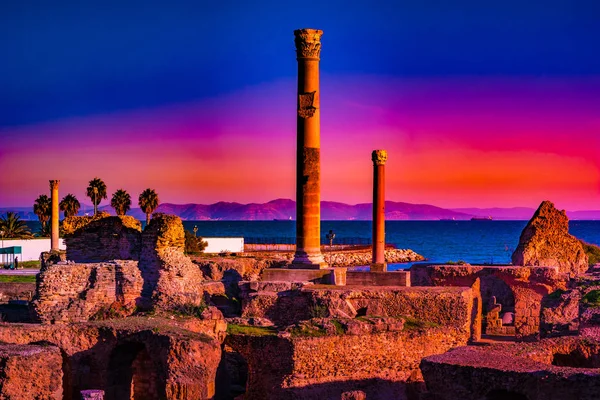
point(232, 375)
point(498, 307)
point(505, 395)
point(132, 374)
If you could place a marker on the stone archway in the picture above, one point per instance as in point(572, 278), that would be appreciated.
point(132, 374)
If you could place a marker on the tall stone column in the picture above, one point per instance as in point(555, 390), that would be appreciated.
point(54, 215)
point(308, 165)
point(379, 158)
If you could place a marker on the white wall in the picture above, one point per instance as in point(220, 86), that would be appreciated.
point(218, 245)
point(32, 248)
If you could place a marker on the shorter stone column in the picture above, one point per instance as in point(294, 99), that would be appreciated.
point(92, 394)
point(379, 158)
point(54, 215)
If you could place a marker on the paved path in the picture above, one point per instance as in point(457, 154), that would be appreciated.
point(18, 271)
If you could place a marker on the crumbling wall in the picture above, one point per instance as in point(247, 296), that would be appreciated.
point(102, 238)
point(384, 365)
point(76, 292)
point(171, 279)
point(30, 372)
point(107, 355)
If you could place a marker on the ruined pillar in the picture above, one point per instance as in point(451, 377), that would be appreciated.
point(308, 165)
point(379, 158)
point(54, 215)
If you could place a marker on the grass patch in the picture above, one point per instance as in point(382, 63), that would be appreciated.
point(318, 311)
point(306, 331)
point(592, 298)
point(233, 329)
point(191, 310)
point(411, 323)
point(592, 251)
point(17, 278)
point(33, 264)
point(339, 328)
point(556, 294)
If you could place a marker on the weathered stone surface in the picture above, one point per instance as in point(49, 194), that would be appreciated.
point(560, 313)
point(381, 364)
point(76, 292)
point(546, 241)
point(103, 238)
point(552, 369)
point(171, 279)
point(30, 372)
point(150, 358)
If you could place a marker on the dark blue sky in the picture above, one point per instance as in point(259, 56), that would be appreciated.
point(68, 58)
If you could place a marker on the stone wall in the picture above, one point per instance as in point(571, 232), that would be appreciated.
point(76, 292)
point(30, 372)
point(171, 279)
point(16, 291)
point(373, 278)
point(154, 355)
point(103, 238)
point(553, 369)
point(384, 365)
point(527, 284)
point(286, 303)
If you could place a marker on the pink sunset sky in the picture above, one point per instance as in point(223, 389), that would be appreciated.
point(452, 142)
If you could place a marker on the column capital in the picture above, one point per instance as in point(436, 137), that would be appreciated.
point(379, 157)
point(308, 43)
point(54, 184)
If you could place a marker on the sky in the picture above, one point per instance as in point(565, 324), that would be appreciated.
point(479, 104)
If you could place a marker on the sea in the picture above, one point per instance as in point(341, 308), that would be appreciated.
point(475, 242)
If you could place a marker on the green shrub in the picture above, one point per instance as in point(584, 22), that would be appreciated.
point(592, 298)
point(191, 309)
point(194, 244)
point(592, 251)
point(318, 311)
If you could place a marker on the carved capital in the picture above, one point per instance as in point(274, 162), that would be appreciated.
point(54, 185)
point(308, 43)
point(306, 107)
point(379, 157)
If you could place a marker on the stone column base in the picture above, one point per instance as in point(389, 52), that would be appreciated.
point(379, 267)
point(303, 260)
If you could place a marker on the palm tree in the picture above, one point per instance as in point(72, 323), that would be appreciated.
point(42, 207)
point(13, 227)
point(148, 202)
point(121, 202)
point(96, 191)
point(69, 205)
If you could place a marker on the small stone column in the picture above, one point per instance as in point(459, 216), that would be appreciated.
point(92, 394)
point(54, 215)
point(379, 158)
point(308, 148)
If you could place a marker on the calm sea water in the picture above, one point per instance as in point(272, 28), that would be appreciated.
point(438, 241)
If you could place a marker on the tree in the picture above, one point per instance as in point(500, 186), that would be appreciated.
point(194, 244)
point(42, 207)
point(13, 227)
point(69, 205)
point(96, 191)
point(148, 202)
point(121, 202)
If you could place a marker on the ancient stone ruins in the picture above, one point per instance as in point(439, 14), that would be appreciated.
point(125, 314)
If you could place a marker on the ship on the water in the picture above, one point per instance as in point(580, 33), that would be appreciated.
point(488, 218)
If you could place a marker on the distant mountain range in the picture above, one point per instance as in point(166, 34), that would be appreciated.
point(284, 209)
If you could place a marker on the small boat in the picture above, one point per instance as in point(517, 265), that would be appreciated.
point(488, 218)
point(448, 219)
point(277, 219)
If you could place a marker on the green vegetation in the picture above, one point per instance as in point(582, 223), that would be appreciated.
point(191, 310)
point(556, 294)
point(42, 207)
point(592, 251)
point(592, 298)
point(17, 278)
point(148, 202)
point(13, 227)
point(233, 329)
point(411, 323)
point(34, 264)
point(121, 202)
point(193, 244)
point(69, 205)
point(339, 328)
point(308, 331)
point(318, 311)
point(459, 262)
point(96, 191)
